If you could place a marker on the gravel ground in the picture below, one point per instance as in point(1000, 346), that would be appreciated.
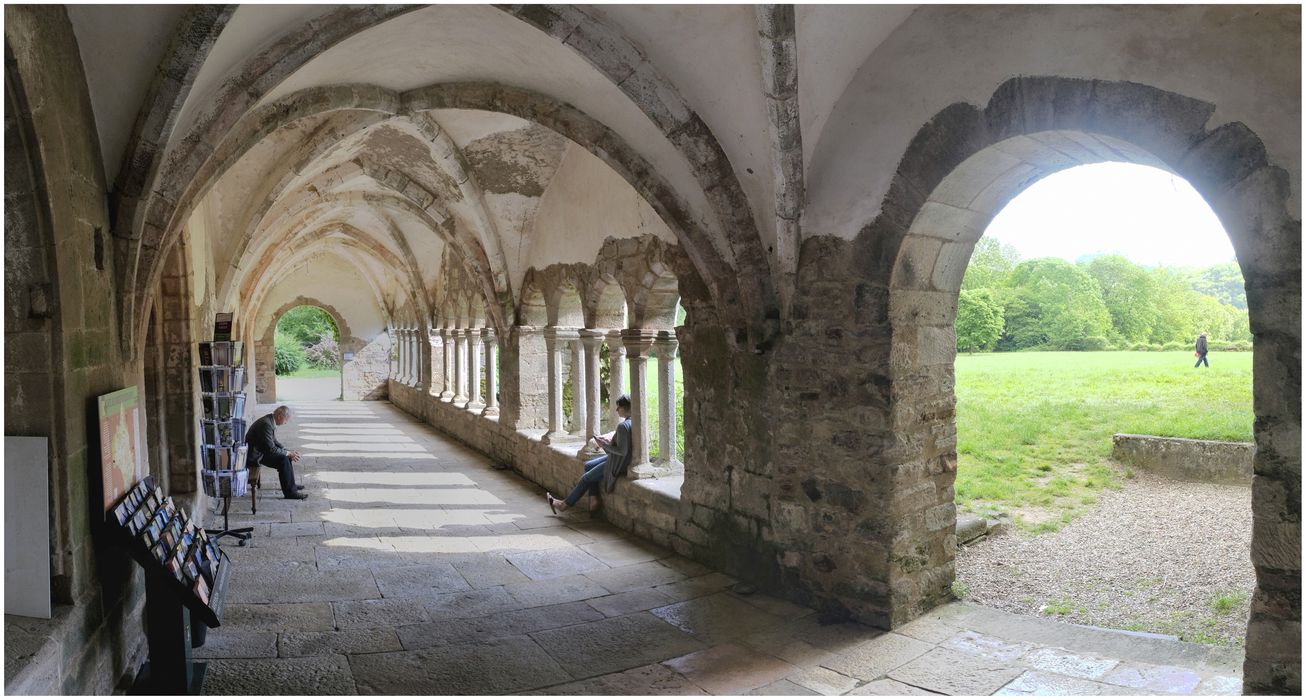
point(1153, 556)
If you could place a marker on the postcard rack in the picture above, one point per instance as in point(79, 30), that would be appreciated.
point(222, 426)
point(186, 575)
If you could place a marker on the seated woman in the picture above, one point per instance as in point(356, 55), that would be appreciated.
point(605, 468)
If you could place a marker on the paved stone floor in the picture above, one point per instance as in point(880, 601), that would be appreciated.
point(415, 567)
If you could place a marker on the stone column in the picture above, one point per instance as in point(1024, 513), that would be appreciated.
point(668, 461)
point(446, 364)
point(591, 340)
point(523, 379)
point(555, 341)
point(491, 345)
point(474, 370)
point(412, 357)
point(616, 379)
point(399, 356)
point(436, 376)
point(578, 398)
point(459, 367)
point(638, 343)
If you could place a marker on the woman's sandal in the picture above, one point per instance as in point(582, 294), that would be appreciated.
point(552, 501)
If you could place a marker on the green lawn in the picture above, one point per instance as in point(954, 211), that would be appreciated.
point(1034, 428)
point(306, 372)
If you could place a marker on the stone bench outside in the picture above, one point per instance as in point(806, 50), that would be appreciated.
point(1208, 461)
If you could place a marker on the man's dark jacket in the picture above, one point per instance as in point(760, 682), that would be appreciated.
point(262, 438)
point(1201, 344)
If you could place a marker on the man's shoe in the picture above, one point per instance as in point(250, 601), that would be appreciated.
point(297, 496)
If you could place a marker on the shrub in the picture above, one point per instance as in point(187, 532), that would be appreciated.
point(289, 355)
point(1096, 342)
point(1138, 346)
point(1155, 347)
point(1175, 345)
point(324, 354)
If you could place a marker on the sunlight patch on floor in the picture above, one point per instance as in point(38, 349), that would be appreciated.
point(396, 478)
point(432, 497)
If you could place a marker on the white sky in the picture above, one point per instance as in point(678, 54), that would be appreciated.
point(1145, 214)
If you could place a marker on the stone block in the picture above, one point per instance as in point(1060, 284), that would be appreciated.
point(496, 667)
point(730, 669)
point(954, 673)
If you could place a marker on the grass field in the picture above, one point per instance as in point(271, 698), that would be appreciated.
point(1034, 428)
point(306, 372)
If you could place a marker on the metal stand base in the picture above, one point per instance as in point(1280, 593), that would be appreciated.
point(241, 534)
point(145, 683)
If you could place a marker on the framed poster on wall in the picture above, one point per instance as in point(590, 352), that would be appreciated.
point(121, 462)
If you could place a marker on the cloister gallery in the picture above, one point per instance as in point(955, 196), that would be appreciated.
point(500, 205)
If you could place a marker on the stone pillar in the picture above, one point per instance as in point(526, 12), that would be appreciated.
point(435, 342)
point(555, 341)
point(591, 340)
point(638, 343)
point(616, 379)
point(474, 402)
point(412, 359)
point(446, 364)
point(668, 461)
point(523, 379)
point(491, 345)
point(459, 367)
point(578, 398)
point(399, 355)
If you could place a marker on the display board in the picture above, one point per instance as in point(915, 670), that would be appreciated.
point(120, 443)
point(160, 535)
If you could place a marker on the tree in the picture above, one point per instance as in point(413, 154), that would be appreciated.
point(979, 320)
point(307, 324)
point(1224, 282)
point(1128, 293)
point(289, 355)
point(1054, 303)
point(1174, 302)
point(990, 264)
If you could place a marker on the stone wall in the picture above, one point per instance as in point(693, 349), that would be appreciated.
point(1208, 461)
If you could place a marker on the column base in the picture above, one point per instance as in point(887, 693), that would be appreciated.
point(446, 396)
point(476, 406)
point(589, 451)
point(656, 470)
point(558, 438)
point(490, 412)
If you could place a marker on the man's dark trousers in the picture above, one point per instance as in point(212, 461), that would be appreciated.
point(285, 470)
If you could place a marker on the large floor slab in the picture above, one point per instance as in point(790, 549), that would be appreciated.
point(416, 568)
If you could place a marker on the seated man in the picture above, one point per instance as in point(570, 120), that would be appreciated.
point(265, 449)
point(604, 468)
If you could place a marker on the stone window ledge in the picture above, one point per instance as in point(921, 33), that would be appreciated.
point(662, 488)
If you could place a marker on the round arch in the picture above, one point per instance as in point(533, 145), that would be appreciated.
point(958, 172)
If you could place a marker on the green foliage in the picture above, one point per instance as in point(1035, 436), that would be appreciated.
point(1051, 304)
point(307, 325)
point(1127, 292)
point(289, 355)
point(1224, 282)
point(1062, 305)
point(314, 334)
point(1034, 428)
point(979, 320)
point(990, 265)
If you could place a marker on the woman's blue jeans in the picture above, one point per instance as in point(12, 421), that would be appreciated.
point(589, 482)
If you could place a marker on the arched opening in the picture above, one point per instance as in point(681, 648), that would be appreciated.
point(1076, 321)
point(307, 356)
point(964, 165)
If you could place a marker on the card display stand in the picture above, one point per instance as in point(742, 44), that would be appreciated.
point(186, 575)
point(222, 427)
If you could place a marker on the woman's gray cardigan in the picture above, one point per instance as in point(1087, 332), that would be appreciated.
point(619, 454)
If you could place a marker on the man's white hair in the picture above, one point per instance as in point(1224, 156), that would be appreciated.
point(282, 410)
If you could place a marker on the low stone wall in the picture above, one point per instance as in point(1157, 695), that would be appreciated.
point(645, 507)
point(1208, 461)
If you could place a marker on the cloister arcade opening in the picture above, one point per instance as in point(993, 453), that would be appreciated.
point(1077, 319)
point(307, 357)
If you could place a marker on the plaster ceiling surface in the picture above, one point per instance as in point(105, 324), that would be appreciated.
point(121, 46)
point(447, 44)
point(712, 55)
point(945, 55)
point(251, 29)
point(467, 125)
point(833, 42)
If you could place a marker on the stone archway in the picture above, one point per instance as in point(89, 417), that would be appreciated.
point(364, 366)
point(961, 168)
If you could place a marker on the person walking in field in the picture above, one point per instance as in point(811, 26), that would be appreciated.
point(1201, 352)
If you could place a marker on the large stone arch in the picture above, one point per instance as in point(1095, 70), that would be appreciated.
point(958, 172)
point(356, 380)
